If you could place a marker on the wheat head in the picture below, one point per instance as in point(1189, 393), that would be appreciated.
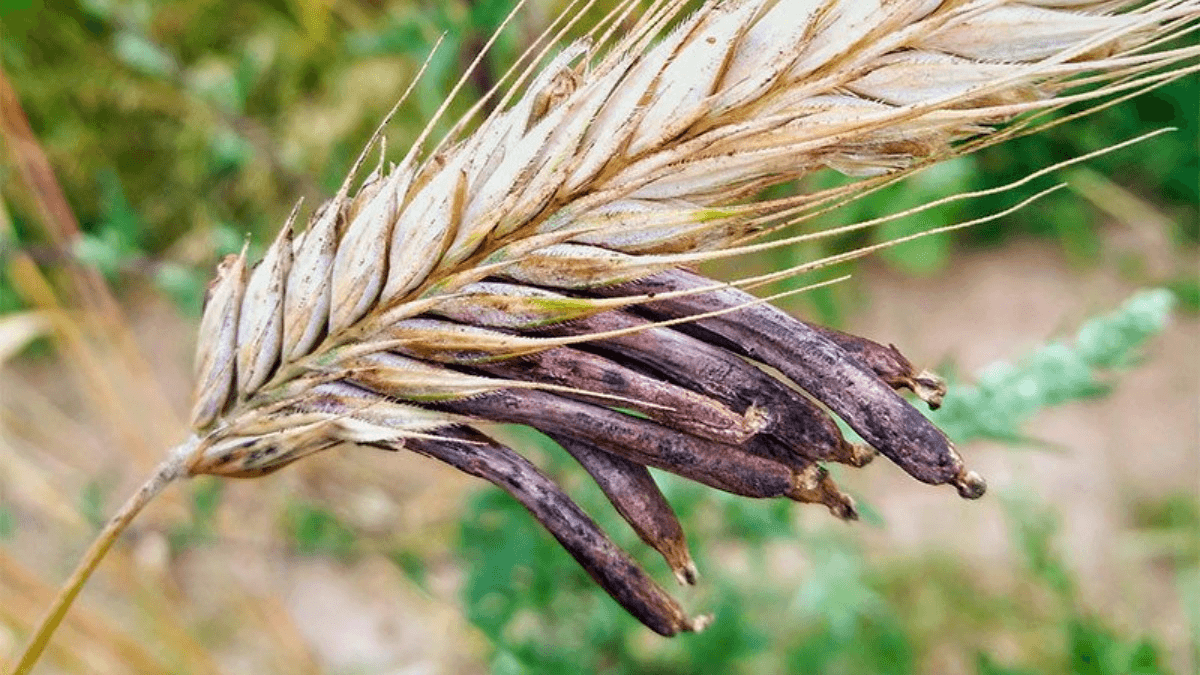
point(531, 267)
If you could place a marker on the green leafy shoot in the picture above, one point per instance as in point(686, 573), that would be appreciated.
point(1007, 395)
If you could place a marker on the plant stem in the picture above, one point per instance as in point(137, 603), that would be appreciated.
point(171, 468)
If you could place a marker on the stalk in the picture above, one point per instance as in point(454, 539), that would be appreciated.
point(169, 470)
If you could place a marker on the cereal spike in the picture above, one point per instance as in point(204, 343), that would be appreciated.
point(650, 149)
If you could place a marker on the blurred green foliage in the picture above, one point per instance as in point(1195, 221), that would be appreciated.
point(91, 502)
point(205, 495)
point(313, 529)
point(8, 522)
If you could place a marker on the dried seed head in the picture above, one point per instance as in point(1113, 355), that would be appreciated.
point(528, 271)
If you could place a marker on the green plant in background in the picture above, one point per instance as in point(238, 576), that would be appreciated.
point(847, 613)
point(315, 530)
point(205, 498)
point(1089, 646)
point(1005, 396)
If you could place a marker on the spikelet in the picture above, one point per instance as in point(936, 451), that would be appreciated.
point(463, 284)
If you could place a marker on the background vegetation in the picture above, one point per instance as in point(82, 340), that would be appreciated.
point(177, 128)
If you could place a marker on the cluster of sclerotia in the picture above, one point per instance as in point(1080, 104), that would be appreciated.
point(709, 413)
point(674, 379)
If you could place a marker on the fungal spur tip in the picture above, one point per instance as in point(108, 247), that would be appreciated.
point(687, 575)
point(699, 623)
point(930, 388)
point(970, 485)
